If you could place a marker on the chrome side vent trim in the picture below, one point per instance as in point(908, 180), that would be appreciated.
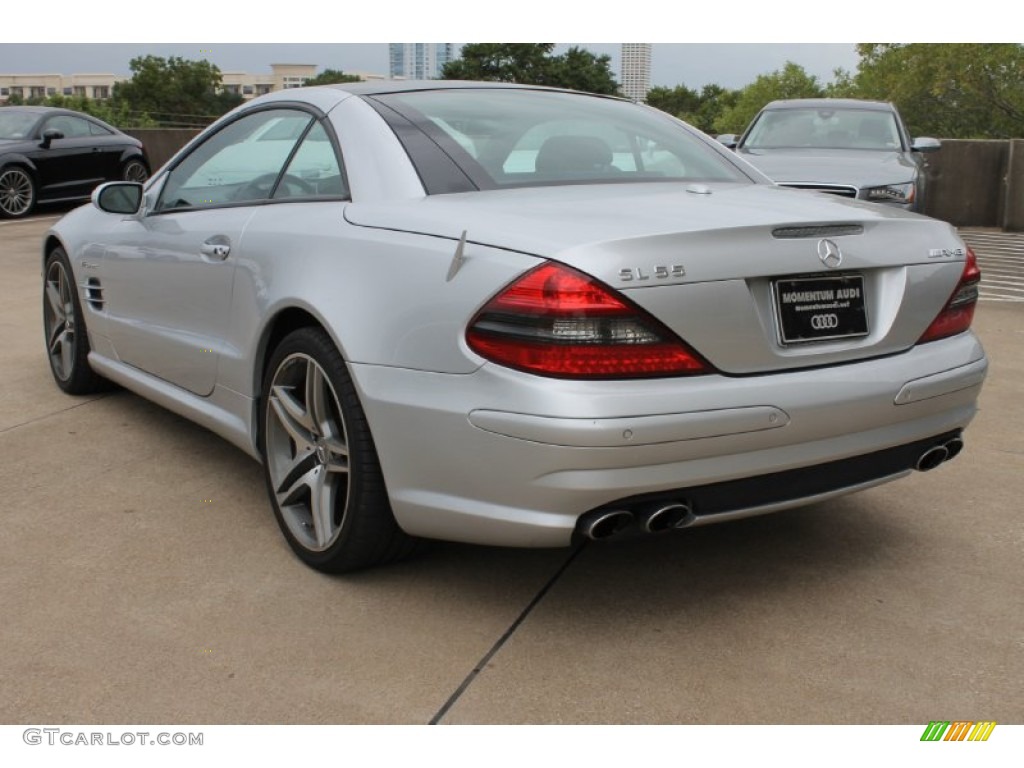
point(826, 230)
point(94, 293)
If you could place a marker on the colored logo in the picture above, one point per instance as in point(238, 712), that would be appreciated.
point(958, 730)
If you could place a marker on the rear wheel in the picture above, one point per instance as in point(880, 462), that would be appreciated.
point(135, 170)
point(17, 192)
point(67, 342)
point(320, 462)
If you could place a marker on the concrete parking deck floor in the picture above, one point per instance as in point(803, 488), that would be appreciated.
point(143, 580)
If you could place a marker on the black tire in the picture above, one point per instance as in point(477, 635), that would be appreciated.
point(319, 460)
point(17, 192)
point(65, 334)
point(135, 170)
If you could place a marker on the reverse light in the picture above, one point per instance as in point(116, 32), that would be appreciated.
point(557, 321)
point(958, 313)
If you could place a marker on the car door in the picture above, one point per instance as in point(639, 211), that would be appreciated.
point(167, 274)
point(69, 166)
point(108, 147)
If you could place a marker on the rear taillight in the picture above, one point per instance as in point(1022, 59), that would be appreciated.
point(958, 313)
point(556, 321)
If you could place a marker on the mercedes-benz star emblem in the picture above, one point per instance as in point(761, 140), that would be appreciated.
point(829, 254)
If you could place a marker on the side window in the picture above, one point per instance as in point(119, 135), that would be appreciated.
point(71, 127)
point(98, 130)
point(314, 170)
point(240, 163)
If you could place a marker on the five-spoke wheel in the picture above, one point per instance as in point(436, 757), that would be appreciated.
point(320, 462)
point(67, 344)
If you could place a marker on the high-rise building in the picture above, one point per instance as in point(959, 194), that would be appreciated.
point(419, 61)
point(636, 70)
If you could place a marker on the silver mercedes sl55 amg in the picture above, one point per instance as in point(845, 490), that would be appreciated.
point(514, 316)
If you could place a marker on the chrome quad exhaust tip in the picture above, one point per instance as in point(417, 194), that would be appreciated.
point(667, 517)
point(606, 523)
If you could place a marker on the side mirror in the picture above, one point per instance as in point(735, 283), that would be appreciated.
point(729, 140)
point(925, 144)
point(124, 197)
point(49, 135)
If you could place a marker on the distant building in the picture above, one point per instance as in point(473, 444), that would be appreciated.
point(636, 70)
point(419, 61)
point(244, 84)
point(44, 86)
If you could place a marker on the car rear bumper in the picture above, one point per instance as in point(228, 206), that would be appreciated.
point(505, 458)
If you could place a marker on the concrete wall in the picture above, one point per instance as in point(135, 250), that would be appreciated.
point(977, 183)
point(162, 143)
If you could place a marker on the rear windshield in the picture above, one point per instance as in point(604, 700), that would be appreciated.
point(15, 124)
point(514, 138)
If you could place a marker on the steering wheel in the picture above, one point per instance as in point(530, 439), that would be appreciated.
point(259, 188)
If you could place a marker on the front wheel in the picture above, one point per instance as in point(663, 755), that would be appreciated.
point(17, 192)
point(67, 342)
point(320, 462)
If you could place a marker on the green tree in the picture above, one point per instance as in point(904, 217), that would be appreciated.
point(698, 109)
point(502, 62)
point(949, 90)
point(790, 82)
point(175, 91)
point(678, 102)
point(533, 64)
point(117, 115)
point(330, 76)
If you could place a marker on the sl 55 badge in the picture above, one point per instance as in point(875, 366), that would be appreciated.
point(659, 272)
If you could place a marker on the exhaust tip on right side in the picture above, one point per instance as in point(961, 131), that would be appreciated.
point(953, 447)
point(931, 458)
point(668, 517)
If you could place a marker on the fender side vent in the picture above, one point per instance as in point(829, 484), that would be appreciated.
point(94, 293)
point(833, 230)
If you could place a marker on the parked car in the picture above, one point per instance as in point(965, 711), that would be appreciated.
point(846, 147)
point(50, 155)
point(515, 316)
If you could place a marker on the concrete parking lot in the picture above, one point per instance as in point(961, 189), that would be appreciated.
point(143, 580)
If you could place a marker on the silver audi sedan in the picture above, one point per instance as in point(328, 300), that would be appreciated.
point(846, 147)
point(514, 316)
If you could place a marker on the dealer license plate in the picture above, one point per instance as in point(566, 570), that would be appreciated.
point(820, 308)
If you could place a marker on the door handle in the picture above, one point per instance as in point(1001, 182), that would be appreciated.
point(216, 248)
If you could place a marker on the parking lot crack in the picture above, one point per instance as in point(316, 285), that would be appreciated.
point(486, 658)
point(52, 414)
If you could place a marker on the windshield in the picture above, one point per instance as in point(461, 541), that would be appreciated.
point(513, 138)
point(15, 124)
point(826, 128)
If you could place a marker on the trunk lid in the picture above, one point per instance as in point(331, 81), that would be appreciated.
point(705, 260)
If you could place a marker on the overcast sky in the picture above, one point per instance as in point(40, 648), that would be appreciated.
point(694, 43)
point(731, 65)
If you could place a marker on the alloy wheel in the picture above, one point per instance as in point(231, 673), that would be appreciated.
point(59, 320)
point(307, 452)
point(16, 192)
point(135, 171)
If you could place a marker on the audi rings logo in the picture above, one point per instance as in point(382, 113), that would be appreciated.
point(824, 322)
point(829, 254)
